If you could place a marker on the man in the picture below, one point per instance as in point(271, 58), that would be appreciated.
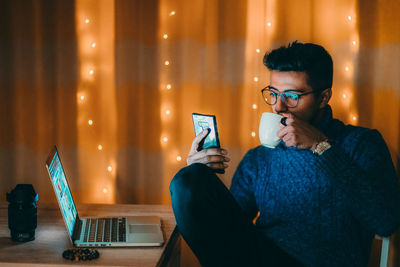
point(322, 193)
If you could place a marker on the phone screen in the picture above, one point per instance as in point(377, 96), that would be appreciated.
point(203, 122)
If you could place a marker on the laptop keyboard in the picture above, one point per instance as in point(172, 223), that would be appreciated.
point(105, 230)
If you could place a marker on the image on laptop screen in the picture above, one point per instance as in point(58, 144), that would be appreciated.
point(63, 193)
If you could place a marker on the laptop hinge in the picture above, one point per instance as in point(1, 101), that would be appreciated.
point(77, 229)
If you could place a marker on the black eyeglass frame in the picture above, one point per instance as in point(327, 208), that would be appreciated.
point(269, 87)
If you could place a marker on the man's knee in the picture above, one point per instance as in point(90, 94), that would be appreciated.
point(189, 181)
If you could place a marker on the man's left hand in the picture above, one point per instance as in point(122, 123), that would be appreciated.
point(300, 134)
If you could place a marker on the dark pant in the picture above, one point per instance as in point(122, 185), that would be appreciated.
point(214, 226)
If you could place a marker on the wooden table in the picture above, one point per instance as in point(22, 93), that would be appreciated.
point(51, 239)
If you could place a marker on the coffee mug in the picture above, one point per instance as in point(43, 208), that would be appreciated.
point(269, 126)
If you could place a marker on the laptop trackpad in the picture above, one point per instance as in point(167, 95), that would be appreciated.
point(143, 229)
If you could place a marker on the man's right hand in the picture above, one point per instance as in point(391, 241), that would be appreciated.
point(212, 157)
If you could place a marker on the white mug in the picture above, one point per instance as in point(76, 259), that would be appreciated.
point(269, 126)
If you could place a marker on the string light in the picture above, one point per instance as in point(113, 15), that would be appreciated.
point(109, 169)
point(253, 134)
point(254, 106)
point(178, 158)
point(255, 79)
point(87, 21)
point(167, 112)
point(105, 190)
point(347, 68)
point(172, 13)
point(166, 63)
point(349, 17)
point(165, 36)
point(344, 96)
point(93, 45)
point(168, 86)
point(354, 42)
point(354, 118)
point(269, 24)
point(257, 50)
point(82, 97)
point(165, 139)
point(91, 72)
point(100, 147)
point(90, 122)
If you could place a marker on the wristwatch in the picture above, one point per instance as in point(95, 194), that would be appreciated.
point(321, 147)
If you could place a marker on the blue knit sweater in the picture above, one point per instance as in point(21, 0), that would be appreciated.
point(324, 210)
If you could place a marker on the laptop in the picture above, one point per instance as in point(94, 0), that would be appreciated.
point(117, 231)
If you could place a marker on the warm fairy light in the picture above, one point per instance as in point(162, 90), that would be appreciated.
point(354, 118)
point(347, 68)
point(91, 72)
point(167, 112)
point(253, 134)
point(172, 13)
point(354, 42)
point(269, 24)
point(90, 122)
point(166, 62)
point(165, 139)
point(87, 21)
point(109, 169)
point(349, 17)
point(344, 96)
point(165, 36)
point(105, 190)
point(100, 147)
point(255, 79)
point(93, 45)
point(258, 50)
point(82, 97)
point(254, 106)
point(178, 158)
point(169, 86)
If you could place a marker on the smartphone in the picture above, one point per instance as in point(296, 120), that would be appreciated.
point(203, 122)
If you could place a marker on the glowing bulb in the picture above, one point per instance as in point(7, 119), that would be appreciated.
point(269, 24)
point(91, 72)
point(354, 118)
point(253, 134)
point(344, 96)
point(166, 63)
point(172, 13)
point(109, 168)
point(93, 45)
point(90, 122)
point(258, 50)
point(165, 139)
point(347, 68)
point(165, 36)
point(255, 79)
point(178, 158)
point(87, 21)
point(169, 86)
point(82, 97)
point(167, 112)
point(354, 42)
point(105, 190)
point(254, 106)
point(349, 17)
point(100, 147)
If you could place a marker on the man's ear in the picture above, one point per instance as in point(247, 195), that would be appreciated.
point(324, 97)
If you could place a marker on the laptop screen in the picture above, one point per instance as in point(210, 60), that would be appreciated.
point(63, 193)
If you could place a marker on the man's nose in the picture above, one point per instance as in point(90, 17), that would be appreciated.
point(280, 105)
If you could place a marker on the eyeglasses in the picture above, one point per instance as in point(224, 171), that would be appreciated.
point(290, 99)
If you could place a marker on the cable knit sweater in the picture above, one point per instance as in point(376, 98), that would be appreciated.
point(324, 210)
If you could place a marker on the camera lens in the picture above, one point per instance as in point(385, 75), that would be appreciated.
point(22, 212)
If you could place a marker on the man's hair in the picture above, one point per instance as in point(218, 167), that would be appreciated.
point(310, 58)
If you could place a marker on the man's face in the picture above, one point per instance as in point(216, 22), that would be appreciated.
point(307, 108)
